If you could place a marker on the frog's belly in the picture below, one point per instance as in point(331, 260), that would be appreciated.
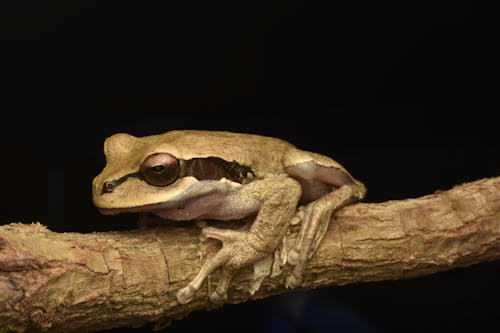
point(217, 206)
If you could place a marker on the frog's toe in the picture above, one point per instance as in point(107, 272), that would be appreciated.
point(299, 215)
point(218, 298)
point(185, 295)
point(293, 281)
point(293, 257)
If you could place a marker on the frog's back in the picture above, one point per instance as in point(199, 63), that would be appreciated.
point(261, 153)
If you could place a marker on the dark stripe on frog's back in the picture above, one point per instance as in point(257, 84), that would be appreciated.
point(262, 154)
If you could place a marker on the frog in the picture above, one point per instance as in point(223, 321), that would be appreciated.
point(186, 175)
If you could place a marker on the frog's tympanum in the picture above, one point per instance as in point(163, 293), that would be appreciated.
point(195, 175)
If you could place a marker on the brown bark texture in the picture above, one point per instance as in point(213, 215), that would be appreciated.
point(71, 282)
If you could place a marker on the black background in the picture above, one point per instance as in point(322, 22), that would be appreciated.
point(405, 95)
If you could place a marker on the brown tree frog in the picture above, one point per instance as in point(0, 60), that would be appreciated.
point(191, 175)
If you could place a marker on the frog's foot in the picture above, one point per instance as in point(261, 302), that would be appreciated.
point(315, 218)
point(314, 226)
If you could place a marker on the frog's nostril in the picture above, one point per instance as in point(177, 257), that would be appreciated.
point(110, 185)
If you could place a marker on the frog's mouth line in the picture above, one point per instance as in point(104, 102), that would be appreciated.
point(145, 208)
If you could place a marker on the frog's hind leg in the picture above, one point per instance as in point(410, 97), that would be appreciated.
point(315, 218)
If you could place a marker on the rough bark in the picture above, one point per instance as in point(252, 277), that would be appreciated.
point(64, 282)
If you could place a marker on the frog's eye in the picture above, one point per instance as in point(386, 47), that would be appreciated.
point(160, 169)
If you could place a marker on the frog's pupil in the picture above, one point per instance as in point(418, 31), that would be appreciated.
point(158, 168)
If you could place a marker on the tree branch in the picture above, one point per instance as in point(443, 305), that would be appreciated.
point(87, 282)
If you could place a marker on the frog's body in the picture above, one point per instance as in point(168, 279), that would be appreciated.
point(185, 175)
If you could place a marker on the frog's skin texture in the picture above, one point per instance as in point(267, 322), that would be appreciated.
point(185, 175)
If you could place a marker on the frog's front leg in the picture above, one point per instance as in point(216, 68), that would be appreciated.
point(278, 197)
point(316, 215)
